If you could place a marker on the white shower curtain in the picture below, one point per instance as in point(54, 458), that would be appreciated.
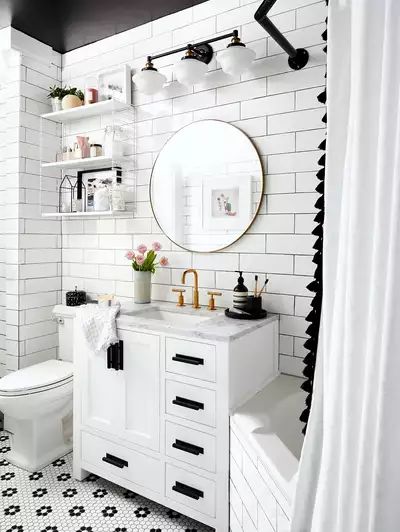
point(349, 478)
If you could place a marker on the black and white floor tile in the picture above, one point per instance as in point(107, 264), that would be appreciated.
point(52, 501)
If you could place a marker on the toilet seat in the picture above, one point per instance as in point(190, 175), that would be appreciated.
point(37, 378)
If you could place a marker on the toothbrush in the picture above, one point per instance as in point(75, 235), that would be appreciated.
point(255, 285)
point(264, 285)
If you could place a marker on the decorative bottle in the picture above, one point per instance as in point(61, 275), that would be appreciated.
point(240, 293)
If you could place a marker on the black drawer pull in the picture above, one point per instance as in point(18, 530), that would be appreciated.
point(186, 359)
point(115, 461)
point(193, 493)
point(188, 447)
point(188, 403)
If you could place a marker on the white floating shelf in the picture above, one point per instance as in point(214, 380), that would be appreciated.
point(84, 111)
point(90, 162)
point(84, 214)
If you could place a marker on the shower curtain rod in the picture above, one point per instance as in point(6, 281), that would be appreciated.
point(298, 57)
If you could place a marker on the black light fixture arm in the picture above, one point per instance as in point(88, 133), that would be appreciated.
point(298, 58)
point(202, 50)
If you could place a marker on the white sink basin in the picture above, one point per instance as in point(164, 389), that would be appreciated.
point(172, 318)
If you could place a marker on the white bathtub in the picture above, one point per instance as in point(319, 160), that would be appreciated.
point(266, 440)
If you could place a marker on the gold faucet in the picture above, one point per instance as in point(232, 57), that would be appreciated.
point(196, 286)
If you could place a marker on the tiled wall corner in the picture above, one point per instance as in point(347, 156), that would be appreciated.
point(275, 106)
point(30, 251)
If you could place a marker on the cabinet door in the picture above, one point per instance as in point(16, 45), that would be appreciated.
point(140, 411)
point(100, 391)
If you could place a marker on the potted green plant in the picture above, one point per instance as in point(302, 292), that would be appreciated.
point(73, 97)
point(56, 94)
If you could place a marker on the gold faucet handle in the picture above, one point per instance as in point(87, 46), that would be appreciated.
point(211, 302)
point(181, 300)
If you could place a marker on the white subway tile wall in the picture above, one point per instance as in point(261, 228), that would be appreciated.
point(30, 248)
point(273, 105)
point(256, 502)
point(276, 107)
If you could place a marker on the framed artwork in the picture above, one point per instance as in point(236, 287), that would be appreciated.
point(226, 203)
point(116, 84)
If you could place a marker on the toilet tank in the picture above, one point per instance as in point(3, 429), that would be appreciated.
point(65, 318)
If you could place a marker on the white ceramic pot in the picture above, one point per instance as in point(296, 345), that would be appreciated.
point(142, 287)
point(56, 104)
point(71, 100)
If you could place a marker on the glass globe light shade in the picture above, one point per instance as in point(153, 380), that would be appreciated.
point(149, 80)
point(236, 59)
point(190, 70)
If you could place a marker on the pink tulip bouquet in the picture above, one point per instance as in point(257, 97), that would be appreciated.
point(145, 260)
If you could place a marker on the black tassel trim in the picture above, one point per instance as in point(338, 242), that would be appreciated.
point(319, 218)
point(324, 119)
point(313, 286)
point(314, 316)
point(306, 386)
point(310, 359)
point(325, 49)
point(304, 415)
point(317, 259)
point(322, 97)
point(324, 35)
point(319, 204)
point(318, 244)
point(311, 317)
point(318, 230)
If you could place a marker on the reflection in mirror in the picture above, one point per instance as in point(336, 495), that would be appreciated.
point(206, 186)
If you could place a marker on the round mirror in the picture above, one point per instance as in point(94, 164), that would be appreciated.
point(206, 186)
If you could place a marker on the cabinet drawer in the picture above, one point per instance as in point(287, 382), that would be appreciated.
point(122, 462)
point(190, 358)
point(190, 402)
point(191, 446)
point(191, 490)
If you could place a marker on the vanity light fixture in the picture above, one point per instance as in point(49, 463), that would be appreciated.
point(190, 69)
point(149, 80)
point(236, 59)
point(193, 65)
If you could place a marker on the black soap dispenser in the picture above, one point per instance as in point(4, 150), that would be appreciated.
point(240, 293)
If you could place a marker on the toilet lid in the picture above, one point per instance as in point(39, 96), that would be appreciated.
point(42, 375)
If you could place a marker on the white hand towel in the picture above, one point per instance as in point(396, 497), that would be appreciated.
point(98, 325)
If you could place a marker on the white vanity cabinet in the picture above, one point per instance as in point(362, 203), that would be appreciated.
point(124, 403)
point(159, 425)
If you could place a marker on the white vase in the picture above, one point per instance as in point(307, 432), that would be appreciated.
point(56, 104)
point(142, 287)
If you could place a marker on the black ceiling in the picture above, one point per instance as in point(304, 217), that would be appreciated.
point(69, 25)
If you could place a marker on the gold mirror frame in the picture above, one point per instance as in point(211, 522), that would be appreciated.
point(261, 193)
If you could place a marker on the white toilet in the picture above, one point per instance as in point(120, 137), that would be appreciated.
point(37, 404)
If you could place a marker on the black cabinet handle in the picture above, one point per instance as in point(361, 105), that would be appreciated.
point(115, 356)
point(193, 493)
point(115, 461)
point(186, 359)
point(188, 447)
point(109, 357)
point(119, 355)
point(188, 403)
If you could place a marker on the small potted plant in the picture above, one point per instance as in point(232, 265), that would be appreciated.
point(56, 94)
point(144, 264)
point(73, 97)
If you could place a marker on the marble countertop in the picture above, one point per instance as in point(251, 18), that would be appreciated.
point(211, 325)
